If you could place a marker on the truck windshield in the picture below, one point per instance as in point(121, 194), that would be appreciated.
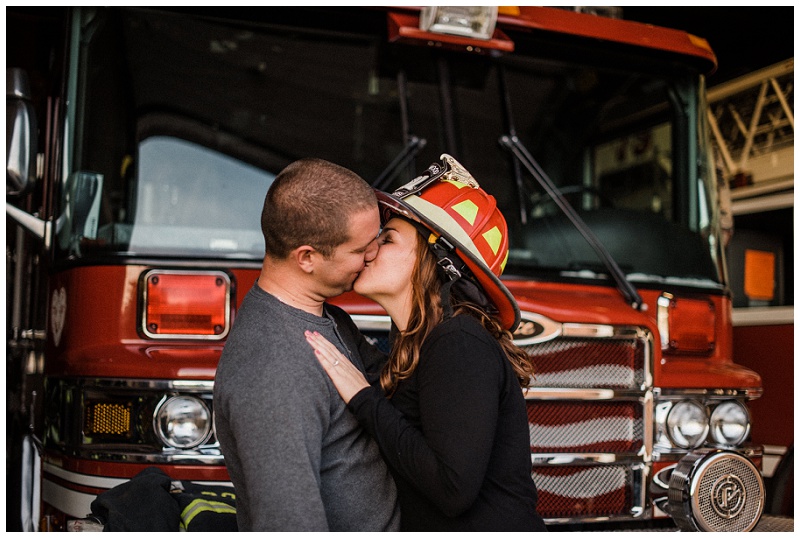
point(184, 122)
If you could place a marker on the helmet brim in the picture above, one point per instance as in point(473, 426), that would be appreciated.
point(415, 208)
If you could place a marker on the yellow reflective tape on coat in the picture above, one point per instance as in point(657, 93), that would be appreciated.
point(199, 506)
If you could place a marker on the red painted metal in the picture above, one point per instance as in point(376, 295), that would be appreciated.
point(769, 348)
point(99, 337)
point(404, 24)
point(111, 469)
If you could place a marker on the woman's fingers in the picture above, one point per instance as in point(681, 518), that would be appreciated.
point(345, 376)
point(325, 349)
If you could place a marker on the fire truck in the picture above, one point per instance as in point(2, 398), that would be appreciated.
point(141, 143)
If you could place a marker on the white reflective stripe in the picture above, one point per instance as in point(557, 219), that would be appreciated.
point(83, 479)
point(590, 375)
point(590, 483)
point(76, 503)
point(72, 503)
point(210, 483)
point(599, 430)
point(104, 482)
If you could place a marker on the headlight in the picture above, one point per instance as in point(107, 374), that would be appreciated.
point(730, 423)
point(687, 424)
point(182, 422)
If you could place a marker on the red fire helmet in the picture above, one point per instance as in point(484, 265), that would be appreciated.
point(448, 201)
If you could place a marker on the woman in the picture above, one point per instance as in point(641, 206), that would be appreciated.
point(449, 416)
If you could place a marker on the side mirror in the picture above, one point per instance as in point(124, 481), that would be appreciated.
point(21, 134)
point(81, 209)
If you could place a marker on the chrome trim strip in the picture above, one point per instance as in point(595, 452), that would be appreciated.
point(643, 508)
point(366, 322)
point(649, 426)
point(205, 455)
point(662, 317)
point(581, 458)
point(585, 330)
point(749, 451)
point(552, 329)
point(183, 385)
point(588, 520)
point(709, 394)
point(537, 393)
point(649, 359)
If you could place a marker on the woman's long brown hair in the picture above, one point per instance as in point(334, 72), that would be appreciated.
point(426, 313)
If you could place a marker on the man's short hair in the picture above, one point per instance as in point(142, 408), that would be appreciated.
point(310, 203)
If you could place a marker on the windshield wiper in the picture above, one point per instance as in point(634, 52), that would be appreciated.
point(414, 145)
point(524, 157)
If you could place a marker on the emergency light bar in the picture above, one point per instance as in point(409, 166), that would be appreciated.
point(465, 29)
point(471, 21)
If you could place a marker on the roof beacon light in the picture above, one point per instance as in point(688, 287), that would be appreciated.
point(470, 21)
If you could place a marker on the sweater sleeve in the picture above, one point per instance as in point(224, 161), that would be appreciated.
point(459, 392)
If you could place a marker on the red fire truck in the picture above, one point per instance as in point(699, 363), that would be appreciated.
point(141, 143)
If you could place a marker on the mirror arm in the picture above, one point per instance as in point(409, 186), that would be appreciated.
point(38, 227)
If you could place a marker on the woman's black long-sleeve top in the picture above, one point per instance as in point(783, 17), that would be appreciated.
point(455, 435)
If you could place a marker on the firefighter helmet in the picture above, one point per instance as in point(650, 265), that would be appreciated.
point(464, 220)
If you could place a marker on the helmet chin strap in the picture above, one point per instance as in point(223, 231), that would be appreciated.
point(447, 270)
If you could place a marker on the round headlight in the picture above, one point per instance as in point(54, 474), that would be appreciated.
point(730, 423)
point(182, 422)
point(687, 424)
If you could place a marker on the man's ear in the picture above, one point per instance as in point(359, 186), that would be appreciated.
point(304, 257)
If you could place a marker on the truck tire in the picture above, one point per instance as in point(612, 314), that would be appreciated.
point(780, 495)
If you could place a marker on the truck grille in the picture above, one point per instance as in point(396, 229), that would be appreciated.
point(571, 492)
point(577, 427)
point(589, 416)
point(589, 362)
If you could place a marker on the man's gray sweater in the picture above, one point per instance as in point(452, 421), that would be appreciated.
point(298, 459)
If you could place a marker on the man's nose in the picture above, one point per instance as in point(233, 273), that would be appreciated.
point(371, 252)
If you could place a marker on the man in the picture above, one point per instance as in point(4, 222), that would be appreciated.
point(297, 457)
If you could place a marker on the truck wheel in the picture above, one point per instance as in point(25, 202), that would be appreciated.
point(780, 496)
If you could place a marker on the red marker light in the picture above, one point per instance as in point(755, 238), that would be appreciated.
point(182, 304)
point(687, 325)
